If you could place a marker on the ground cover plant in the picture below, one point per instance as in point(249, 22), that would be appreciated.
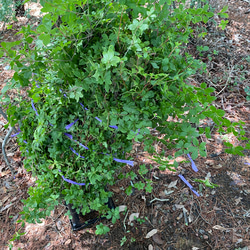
point(100, 75)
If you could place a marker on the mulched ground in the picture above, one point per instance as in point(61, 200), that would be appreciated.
point(218, 219)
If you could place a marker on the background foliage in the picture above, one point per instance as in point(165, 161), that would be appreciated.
point(10, 9)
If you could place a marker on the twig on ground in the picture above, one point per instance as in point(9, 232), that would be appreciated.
point(157, 199)
point(200, 213)
point(4, 153)
point(185, 216)
point(124, 221)
point(229, 78)
point(5, 141)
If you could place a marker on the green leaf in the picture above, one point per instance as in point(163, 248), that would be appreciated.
point(101, 229)
point(129, 190)
point(139, 185)
point(207, 183)
point(226, 122)
point(194, 152)
point(109, 58)
point(223, 24)
point(134, 25)
point(45, 38)
point(203, 85)
point(220, 112)
point(5, 88)
point(228, 144)
point(149, 188)
point(195, 141)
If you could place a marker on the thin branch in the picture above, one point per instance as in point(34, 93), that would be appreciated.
point(4, 153)
point(6, 118)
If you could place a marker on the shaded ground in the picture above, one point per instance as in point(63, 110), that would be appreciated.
point(218, 219)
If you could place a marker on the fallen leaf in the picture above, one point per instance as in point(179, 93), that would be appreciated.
point(157, 239)
point(3, 190)
point(132, 217)
point(6, 198)
point(168, 192)
point(218, 227)
point(68, 242)
point(4, 173)
point(116, 190)
point(173, 184)
point(180, 216)
point(122, 208)
point(151, 233)
point(238, 180)
point(6, 207)
point(238, 200)
point(59, 225)
point(179, 206)
point(150, 247)
point(217, 166)
point(209, 162)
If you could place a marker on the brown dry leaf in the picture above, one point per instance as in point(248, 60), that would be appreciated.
point(6, 207)
point(217, 166)
point(6, 198)
point(151, 233)
point(116, 189)
point(3, 190)
point(209, 162)
point(157, 239)
point(2, 174)
point(59, 225)
point(67, 242)
point(238, 180)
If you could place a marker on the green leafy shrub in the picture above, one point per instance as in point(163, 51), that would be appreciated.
point(100, 75)
point(10, 9)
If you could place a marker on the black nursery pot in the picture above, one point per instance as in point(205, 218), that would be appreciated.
point(79, 221)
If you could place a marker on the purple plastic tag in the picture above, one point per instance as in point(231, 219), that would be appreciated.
point(69, 135)
point(188, 184)
point(193, 164)
point(98, 119)
point(131, 163)
point(15, 134)
point(82, 145)
point(113, 126)
point(83, 106)
point(71, 124)
point(70, 181)
point(76, 153)
point(33, 106)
